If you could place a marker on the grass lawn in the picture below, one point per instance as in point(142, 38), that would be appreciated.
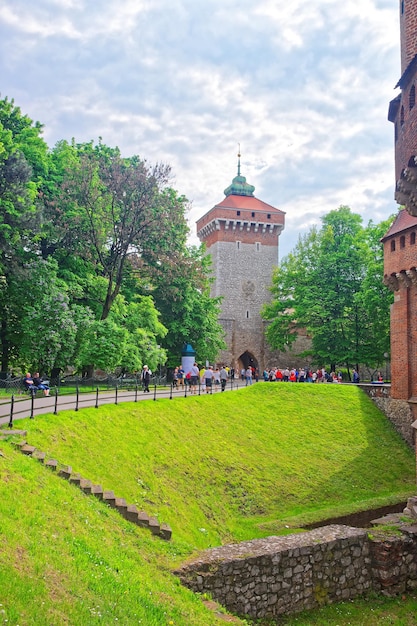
point(264, 460)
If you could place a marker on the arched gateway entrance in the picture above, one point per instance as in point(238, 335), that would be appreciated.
point(247, 360)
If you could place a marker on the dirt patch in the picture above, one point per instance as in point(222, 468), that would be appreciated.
point(362, 519)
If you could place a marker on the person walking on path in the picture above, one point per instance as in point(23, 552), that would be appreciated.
point(146, 376)
point(195, 374)
point(223, 377)
point(181, 376)
point(208, 379)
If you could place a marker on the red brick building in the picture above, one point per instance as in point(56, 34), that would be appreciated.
point(400, 246)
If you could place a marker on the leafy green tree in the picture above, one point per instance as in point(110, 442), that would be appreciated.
point(188, 310)
point(324, 286)
point(89, 242)
point(128, 238)
point(23, 167)
point(47, 328)
point(145, 333)
point(122, 207)
point(374, 299)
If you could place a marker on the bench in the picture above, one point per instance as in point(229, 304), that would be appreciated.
point(34, 391)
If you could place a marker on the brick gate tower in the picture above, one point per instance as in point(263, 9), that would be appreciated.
point(241, 234)
point(400, 245)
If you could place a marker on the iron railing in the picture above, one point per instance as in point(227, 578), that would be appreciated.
point(19, 406)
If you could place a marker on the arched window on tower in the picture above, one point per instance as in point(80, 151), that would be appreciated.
point(402, 241)
point(402, 116)
point(413, 238)
point(402, 7)
point(412, 97)
point(393, 245)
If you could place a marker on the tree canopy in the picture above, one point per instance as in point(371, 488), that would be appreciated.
point(95, 271)
point(331, 286)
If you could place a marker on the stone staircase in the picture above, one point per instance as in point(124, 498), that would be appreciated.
point(129, 511)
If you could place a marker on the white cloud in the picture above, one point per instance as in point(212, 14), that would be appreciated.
point(304, 87)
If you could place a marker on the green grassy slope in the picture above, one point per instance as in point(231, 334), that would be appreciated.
point(216, 468)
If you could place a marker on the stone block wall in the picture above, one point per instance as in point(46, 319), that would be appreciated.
point(398, 412)
point(400, 415)
point(265, 578)
point(394, 564)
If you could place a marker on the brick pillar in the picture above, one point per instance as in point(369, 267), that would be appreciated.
point(400, 374)
point(412, 342)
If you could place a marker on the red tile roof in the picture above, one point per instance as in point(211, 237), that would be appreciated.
point(246, 202)
point(403, 221)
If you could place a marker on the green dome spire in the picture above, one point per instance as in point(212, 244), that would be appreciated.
point(239, 186)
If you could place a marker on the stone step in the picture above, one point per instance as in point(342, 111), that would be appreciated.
point(28, 450)
point(65, 472)
point(143, 519)
point(52, 464)
point(109, 498)
point(75, 479)
point(8, 433)
point(154, 526)
point(131, 513)
point(165, 531)
point(86, 485)
point(97, 491)
point(20, 444)
point(121, 505)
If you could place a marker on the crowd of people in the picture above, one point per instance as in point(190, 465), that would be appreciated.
point(302, 375)
point(208, 377)
point(211, 377)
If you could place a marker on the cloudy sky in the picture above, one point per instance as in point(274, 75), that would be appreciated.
point(303, 86)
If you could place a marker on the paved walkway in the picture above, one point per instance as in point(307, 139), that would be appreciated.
point(22, 405)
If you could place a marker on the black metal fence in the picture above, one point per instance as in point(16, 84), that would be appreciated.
point(20, 405)
point(15, 385)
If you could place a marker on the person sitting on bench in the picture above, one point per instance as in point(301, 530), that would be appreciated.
point(41, 384)
point(29, 383)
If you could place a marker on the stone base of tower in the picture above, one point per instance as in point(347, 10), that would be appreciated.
point(247, 346)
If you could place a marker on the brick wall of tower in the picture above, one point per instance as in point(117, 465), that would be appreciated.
point(405, 129)
point(403, 111)
point(408, 29)
point(400, 370)
point(400, 249)
point(404, 256)
point(400, 261)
